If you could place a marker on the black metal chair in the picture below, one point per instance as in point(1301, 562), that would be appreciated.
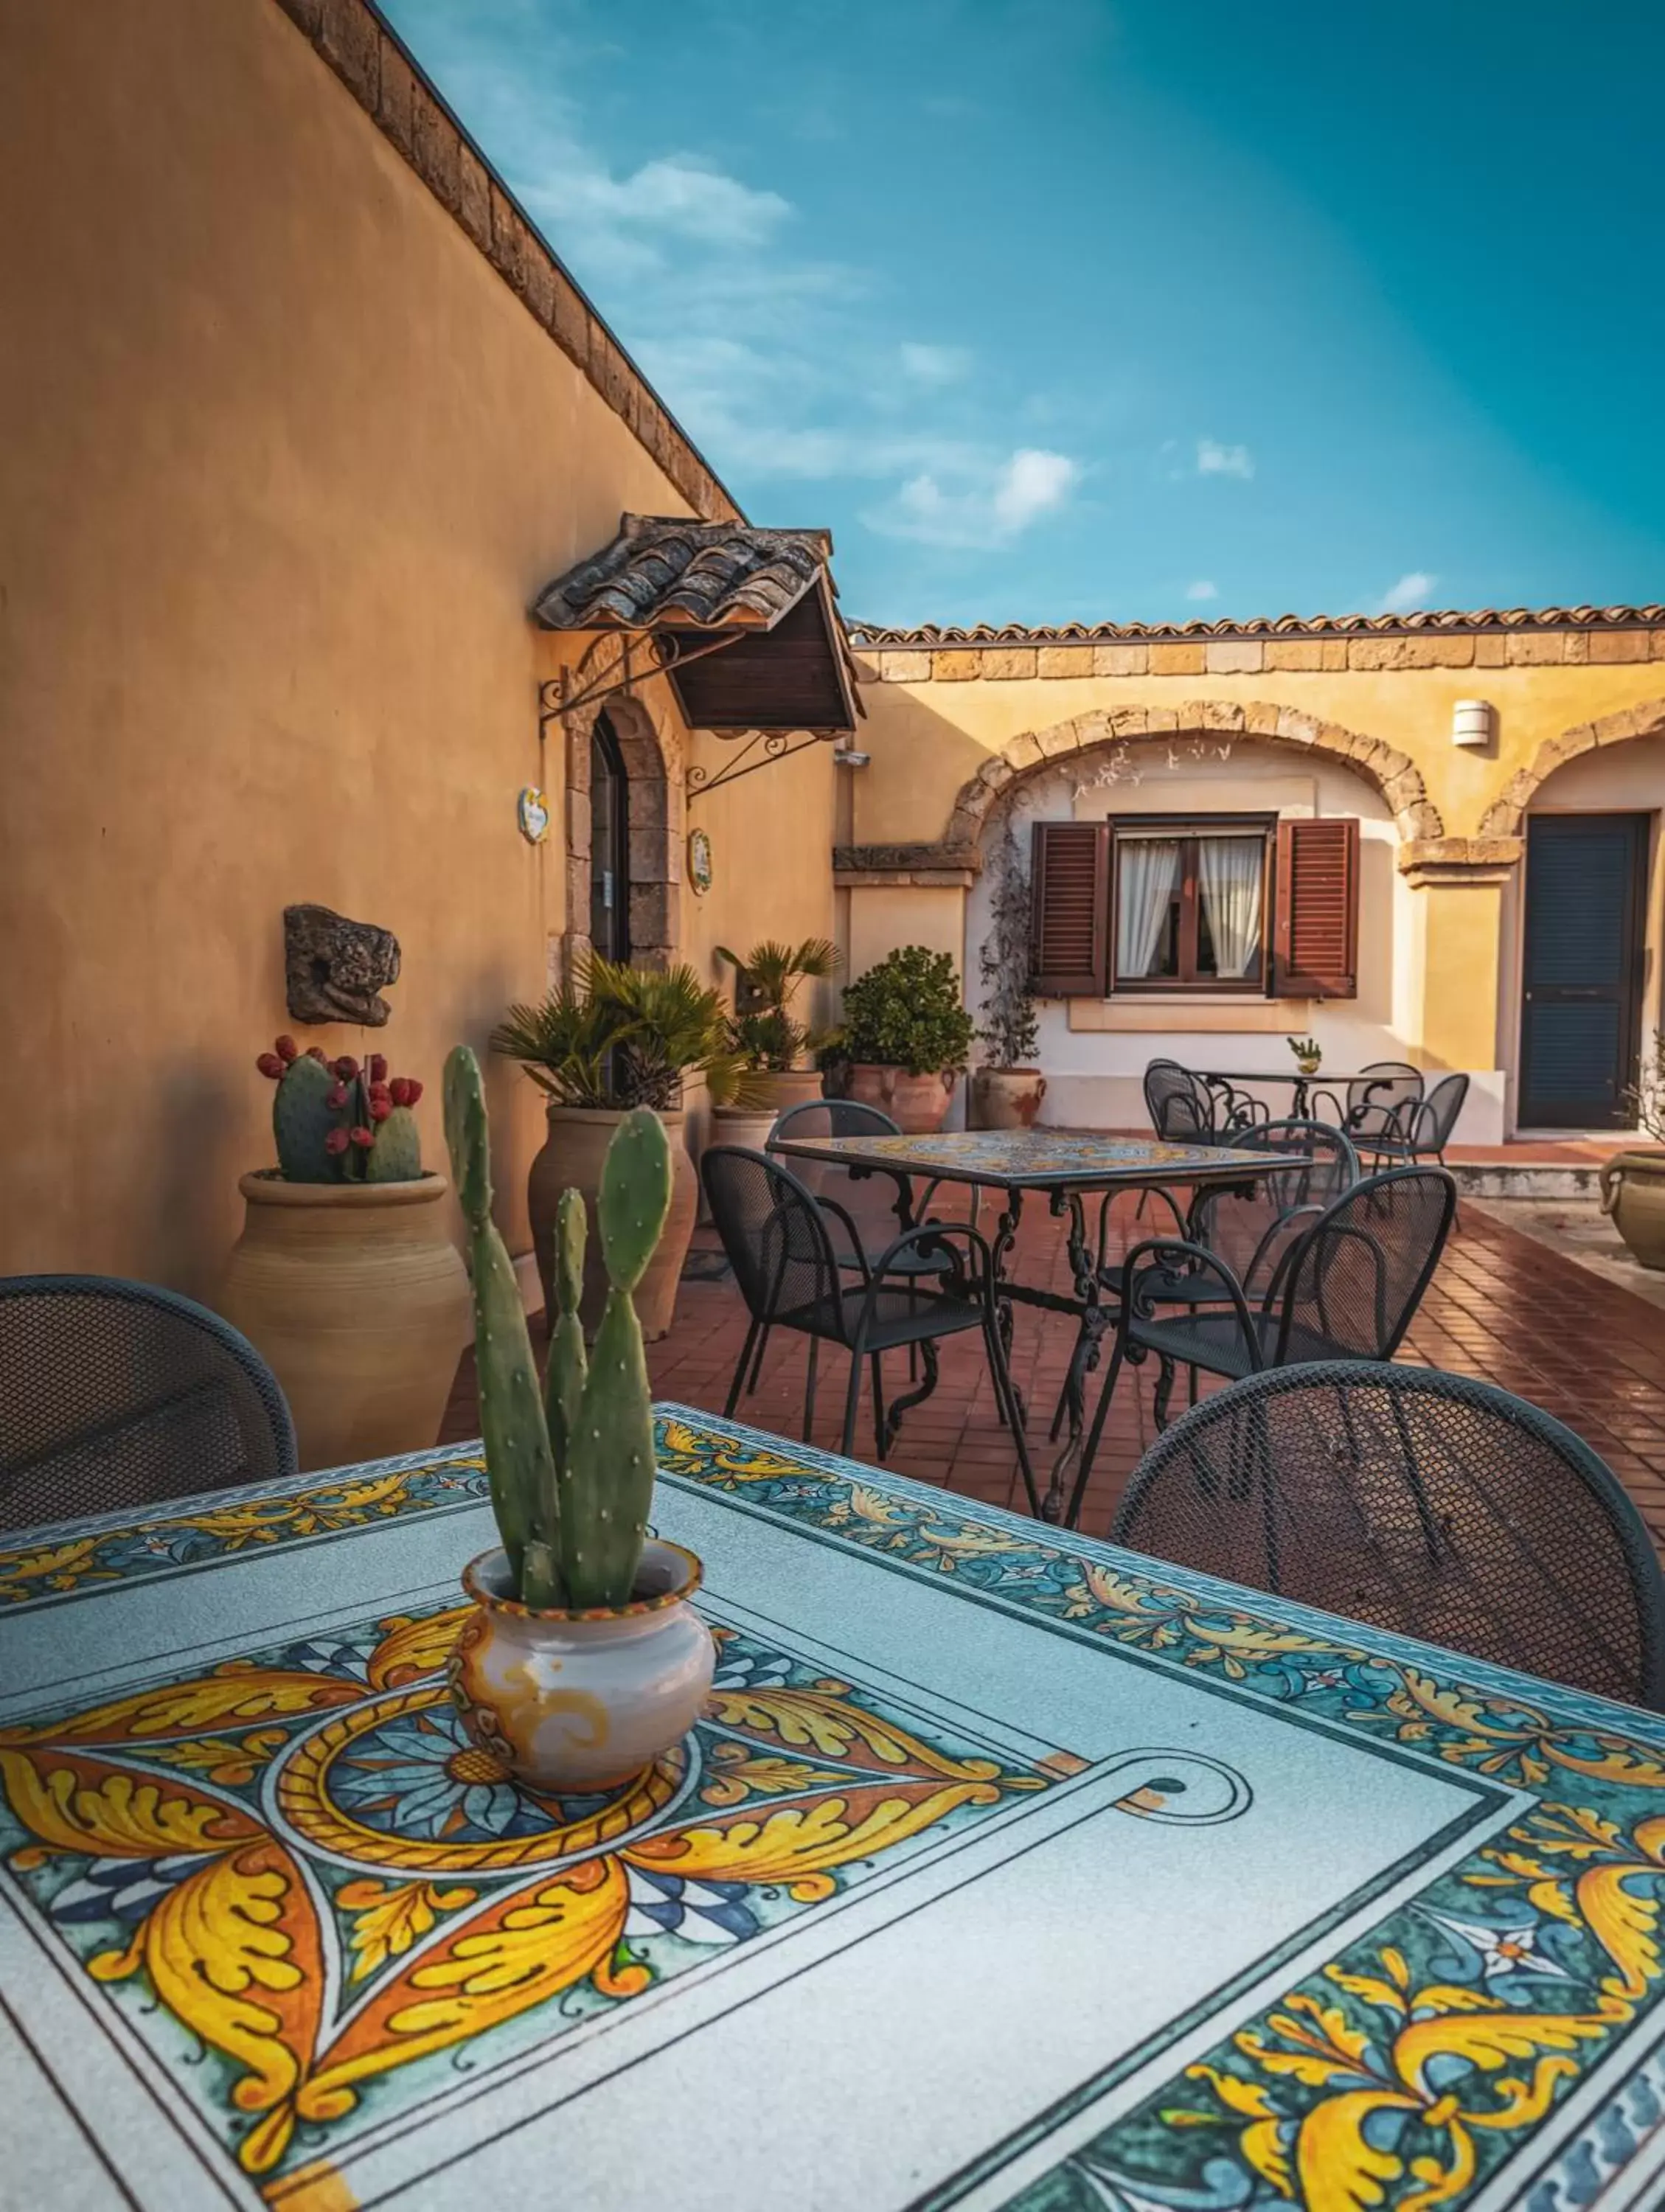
point(1421, 1501)
point(880, 1204)
point(1249, 1227)
point(1422, 1127)
point(116, 1395)
point(1197, 1109)
point(1374, 1099)
point(1346, 1287)
point(777, 1237)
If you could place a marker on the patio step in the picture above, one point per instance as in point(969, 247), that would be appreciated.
point(1546, 1179)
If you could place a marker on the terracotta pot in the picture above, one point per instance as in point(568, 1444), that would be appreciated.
point(357, 1300)
point(784, 1087)
point(1633, 1193)
point(738, 1125)
point(571, 1158)
point(582, 1701)
point(1006, 1097)
point(916, 1104)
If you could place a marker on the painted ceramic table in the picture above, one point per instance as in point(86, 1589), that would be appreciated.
point(1067, 1170)
point(1005, 1868)
point(1301, 1086)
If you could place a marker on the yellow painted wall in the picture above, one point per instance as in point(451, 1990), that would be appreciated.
point(286, 462)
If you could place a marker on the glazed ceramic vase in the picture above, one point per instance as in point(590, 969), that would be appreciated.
point(916, 1104)
point(1006, 1097)
point(1633, 1193)
point(357, 1300)
point(582, 1701)
point(571, 1158)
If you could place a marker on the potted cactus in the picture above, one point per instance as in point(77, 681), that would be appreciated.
point(582, 1659)
point(345, 1276)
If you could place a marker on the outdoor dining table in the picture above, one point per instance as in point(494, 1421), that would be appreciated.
point(1301, 1086)
point(1068, 1169)
point(1004, 1868)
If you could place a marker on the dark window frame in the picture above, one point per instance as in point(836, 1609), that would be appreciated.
point(611, 851)
point(1189, 827)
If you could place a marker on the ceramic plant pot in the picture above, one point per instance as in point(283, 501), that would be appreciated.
point(739, 1125)
point(1006, 1097)
point(1308, 1064)
point(357, 1300)
point(1633, 1193)
point(580, 1701)
point(781, 1087)
point(916, 1104)
point(571, 1158)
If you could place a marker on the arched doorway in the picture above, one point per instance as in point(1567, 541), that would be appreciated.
point(610, 845)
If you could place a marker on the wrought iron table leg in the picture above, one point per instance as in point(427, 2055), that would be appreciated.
point(1094, 1320)
point(1005, 1235)
point(898, 1407)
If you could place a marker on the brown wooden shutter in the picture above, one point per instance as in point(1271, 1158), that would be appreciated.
point(1315, 939)
point(1070, 939)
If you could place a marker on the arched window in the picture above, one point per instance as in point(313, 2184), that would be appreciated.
point(610, 845)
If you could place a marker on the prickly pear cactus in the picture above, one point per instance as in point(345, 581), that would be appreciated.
point(519, 1464)
point(396, 1155)
point(302, 1120)
point(607, 1481)
point(563, 1384)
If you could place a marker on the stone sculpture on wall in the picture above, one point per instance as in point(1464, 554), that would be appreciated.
point(334, 970)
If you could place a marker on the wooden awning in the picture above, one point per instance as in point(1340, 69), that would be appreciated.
point(744, 621)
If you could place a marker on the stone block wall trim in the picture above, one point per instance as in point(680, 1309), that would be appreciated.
point(1506, 816)
point(1394, 774)
point(388, 82)
point(953, 855)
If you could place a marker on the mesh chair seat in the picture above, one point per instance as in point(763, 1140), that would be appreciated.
point(1214, 1340)
point(115, 1396)
point(894, 1317)
point(1425, 1503)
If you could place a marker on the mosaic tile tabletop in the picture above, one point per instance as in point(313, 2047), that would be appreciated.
point(1003, 1869)
point(1033, 1160)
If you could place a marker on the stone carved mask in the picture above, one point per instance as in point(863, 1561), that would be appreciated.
point(335, 970)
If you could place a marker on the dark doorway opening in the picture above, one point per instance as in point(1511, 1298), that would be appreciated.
point(610, 845)
point(1580, 1013)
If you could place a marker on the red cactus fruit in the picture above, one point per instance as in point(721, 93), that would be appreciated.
point(399, 1091)
point(377, 1068)
point(413, 1089)
point(336, 1142)
point(347, 1067)
point(362, 1138)
point(336, 1097)
point(287, 1047)
point(270, 1064)
point(316, 1052)
point(380, 1109)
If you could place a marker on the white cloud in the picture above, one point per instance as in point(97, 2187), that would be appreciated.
point(934, 364)
point(1214, 459)
point(677, 196)
point(1411, 590)
point(991, 505)
point(1202, 589)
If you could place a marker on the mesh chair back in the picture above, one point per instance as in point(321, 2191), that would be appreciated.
point(871, 1199)
point(1358, 1273)
point(1422, 1502)
point(115, 1396)
point(1431, 1129)
point(775, 1238)
point(1243, 1226)
point(1179, 1107)
point(1373, 1102)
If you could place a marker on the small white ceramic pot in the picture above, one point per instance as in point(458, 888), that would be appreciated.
point(580, 1701)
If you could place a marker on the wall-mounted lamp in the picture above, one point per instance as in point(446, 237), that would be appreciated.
point(1471, 722)
point(847, 757)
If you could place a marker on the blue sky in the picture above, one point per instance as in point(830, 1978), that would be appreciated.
point(1086, 310)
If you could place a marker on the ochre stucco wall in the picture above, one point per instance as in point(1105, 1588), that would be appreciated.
point(286, 462)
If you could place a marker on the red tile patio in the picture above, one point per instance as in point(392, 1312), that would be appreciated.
point(1501, 1307)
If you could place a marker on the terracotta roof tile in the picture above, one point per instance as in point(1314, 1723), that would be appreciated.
point(1484, 618)
point(664, 571)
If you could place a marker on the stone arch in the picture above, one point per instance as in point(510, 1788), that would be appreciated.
point(1394, 774)
point(654, 791)
point(1506, 816)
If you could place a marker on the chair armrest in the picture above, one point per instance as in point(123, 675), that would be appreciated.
point(1163, 1250)
point(926, 1232)
point(831, 1205)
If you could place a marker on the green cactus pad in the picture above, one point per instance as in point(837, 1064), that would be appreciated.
point(396, 1156)
point(563, 1384)
point(465, 1134)
point(609, 1488)
point(301, 1122)
point(635, 1196)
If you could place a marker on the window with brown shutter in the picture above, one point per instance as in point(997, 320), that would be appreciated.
point(1070, 908)
point(1316, 943)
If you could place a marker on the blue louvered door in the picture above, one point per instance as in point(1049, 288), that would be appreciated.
point(1581, 1015)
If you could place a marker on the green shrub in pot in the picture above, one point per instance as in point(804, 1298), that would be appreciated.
point(908, 1035)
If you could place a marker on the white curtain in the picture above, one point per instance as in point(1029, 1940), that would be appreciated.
point(1147, 876)
point(1229, 875)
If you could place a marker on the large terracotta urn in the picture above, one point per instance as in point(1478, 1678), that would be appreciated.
point(782, 1088)
point(916, 1104)
point(1006, 1097)
point(571, 1158)
point(357, 1300)
point(1633, 1193)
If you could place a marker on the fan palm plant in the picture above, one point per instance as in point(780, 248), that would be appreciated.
point(619, 1036)
point(764, 1030)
